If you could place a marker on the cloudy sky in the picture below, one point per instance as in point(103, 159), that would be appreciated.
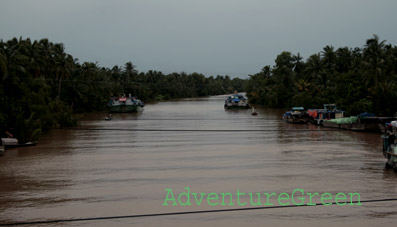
point(234, 37)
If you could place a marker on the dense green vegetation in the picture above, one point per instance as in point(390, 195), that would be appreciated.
point(357, 80)
point(41, 86)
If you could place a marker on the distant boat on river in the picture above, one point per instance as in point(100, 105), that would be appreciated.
point(297, 115)
point(236, 101)
point(125, 104)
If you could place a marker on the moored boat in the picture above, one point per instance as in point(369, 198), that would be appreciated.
point(13, 142)
point(318, 116)
point(376, 124)
point(28, 144)
point(125, 104)
point(362, 122)
point(349, 123)
point(236, 101)
point(297, 115)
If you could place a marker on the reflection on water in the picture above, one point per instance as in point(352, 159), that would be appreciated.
point(88, 173)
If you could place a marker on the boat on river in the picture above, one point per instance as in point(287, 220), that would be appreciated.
point(236, 101)
point(125, 104)
point(13, 143)
point(376, 124)
point(318, 116)
point(297, 115)
point(362, 122)
point(389, 146)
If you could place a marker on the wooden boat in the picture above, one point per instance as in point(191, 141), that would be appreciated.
point(125, 104)
point(318, 116)
point(28, 144)
point(348, 123)
point(297, 116)
point(236, 101)
point(376, 124)
point(13, 142)
point(362, 122)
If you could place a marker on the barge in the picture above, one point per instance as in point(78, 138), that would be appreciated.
point(125, 104)
point(297, 115)
point(236, 101)
point(318, 116)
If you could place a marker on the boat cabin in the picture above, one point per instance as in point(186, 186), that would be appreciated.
point(317, 116)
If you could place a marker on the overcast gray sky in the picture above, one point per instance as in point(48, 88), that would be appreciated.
point(235, 37)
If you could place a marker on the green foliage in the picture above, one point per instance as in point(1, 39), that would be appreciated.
point(357, 80)
point(41, 86)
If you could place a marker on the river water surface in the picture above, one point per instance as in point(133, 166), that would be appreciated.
point(123, 166)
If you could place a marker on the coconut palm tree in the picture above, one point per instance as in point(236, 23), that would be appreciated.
point(64, 65)
point(374, 61)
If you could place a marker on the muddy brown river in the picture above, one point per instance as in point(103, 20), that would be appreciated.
point(124, 166)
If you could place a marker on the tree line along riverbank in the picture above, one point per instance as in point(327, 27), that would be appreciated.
point(356, 79)
point(42, 86)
